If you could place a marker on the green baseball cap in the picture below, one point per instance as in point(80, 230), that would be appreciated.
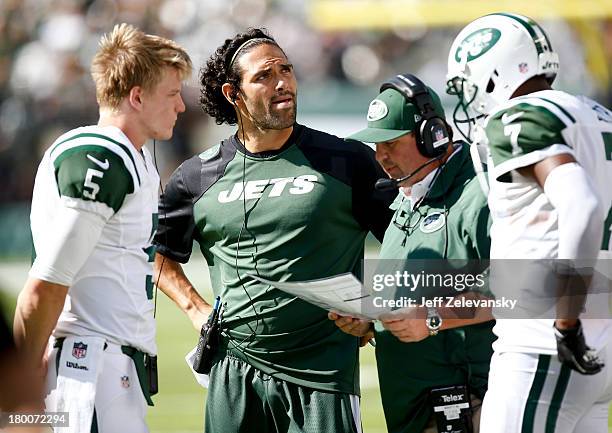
point(390, 117)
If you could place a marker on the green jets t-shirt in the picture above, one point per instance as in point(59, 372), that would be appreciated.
point(295, 214)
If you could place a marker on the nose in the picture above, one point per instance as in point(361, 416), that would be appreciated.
point(181, 104)
point(381, 153)
point(281, 84)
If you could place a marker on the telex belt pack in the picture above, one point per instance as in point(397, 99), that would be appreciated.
point(452, 409)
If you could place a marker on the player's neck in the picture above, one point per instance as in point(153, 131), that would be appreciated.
point(257, 140)
point(534, 84)
point(110, 117)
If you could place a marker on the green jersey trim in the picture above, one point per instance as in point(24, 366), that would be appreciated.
point(93, 173)
point(113, 145)
point(526, 126)
point(563, 110)
point(555, 109)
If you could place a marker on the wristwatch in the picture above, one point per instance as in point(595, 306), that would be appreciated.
point(433, 321)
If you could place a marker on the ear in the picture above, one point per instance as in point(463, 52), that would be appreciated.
point(230, 93)
point(135, 98)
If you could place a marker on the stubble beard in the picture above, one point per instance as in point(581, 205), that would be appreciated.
point(277, 120)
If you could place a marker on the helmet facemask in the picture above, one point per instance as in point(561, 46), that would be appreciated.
point(464, 114)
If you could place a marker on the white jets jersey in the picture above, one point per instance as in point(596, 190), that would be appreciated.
point(98, 170)
point(523, 131)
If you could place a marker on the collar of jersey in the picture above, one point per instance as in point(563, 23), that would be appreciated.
point(293, 139)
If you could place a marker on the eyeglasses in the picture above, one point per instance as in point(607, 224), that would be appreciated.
point(408, 221)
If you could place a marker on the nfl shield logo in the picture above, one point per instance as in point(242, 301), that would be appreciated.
point(523, 68)
point(125, 381)
point(79, 350)
point(439, 134)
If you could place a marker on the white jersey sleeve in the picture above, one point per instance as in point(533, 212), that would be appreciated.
point(68, 245)
point(92, 181)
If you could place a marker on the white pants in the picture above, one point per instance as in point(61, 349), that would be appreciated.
point(119, 404)
point(532, 393)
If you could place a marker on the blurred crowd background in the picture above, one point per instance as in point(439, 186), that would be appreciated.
point(342, 50)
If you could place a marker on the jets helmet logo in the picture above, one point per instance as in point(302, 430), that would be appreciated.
point(476, 44)
point(377, 110)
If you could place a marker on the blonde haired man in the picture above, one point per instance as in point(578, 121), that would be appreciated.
point(94, 213)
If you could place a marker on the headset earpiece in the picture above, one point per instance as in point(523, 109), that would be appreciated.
point(432, 134)
point(233, 95)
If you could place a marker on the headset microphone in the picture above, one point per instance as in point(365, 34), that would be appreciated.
point(389, 184)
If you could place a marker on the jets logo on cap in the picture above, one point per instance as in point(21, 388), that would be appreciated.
point(476, 44)
point(377, 110)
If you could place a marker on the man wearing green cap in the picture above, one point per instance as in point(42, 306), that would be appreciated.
point(440, 213)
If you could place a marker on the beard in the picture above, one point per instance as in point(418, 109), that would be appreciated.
point(271, 118)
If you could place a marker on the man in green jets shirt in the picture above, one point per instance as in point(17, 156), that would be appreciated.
point(440, 213)
point(284, 202)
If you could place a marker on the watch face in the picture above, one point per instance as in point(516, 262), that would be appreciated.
point(434, 322)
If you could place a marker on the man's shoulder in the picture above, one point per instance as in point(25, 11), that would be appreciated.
point(530, 112)
point(202, 170)
point(209, 159)
point(551, 109)
point(109, 138)
point(107, 148)
point(527, 124)
point(318, 139)
point(472, 195)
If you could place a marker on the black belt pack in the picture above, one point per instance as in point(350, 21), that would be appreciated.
point(452, 409)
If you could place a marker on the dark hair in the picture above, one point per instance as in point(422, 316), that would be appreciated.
point(222, 67)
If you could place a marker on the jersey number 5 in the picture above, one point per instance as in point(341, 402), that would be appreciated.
point(89, 183)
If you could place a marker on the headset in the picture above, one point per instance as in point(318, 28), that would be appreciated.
point(431, 132)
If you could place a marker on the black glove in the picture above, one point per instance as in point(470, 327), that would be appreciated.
point(574, 352)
